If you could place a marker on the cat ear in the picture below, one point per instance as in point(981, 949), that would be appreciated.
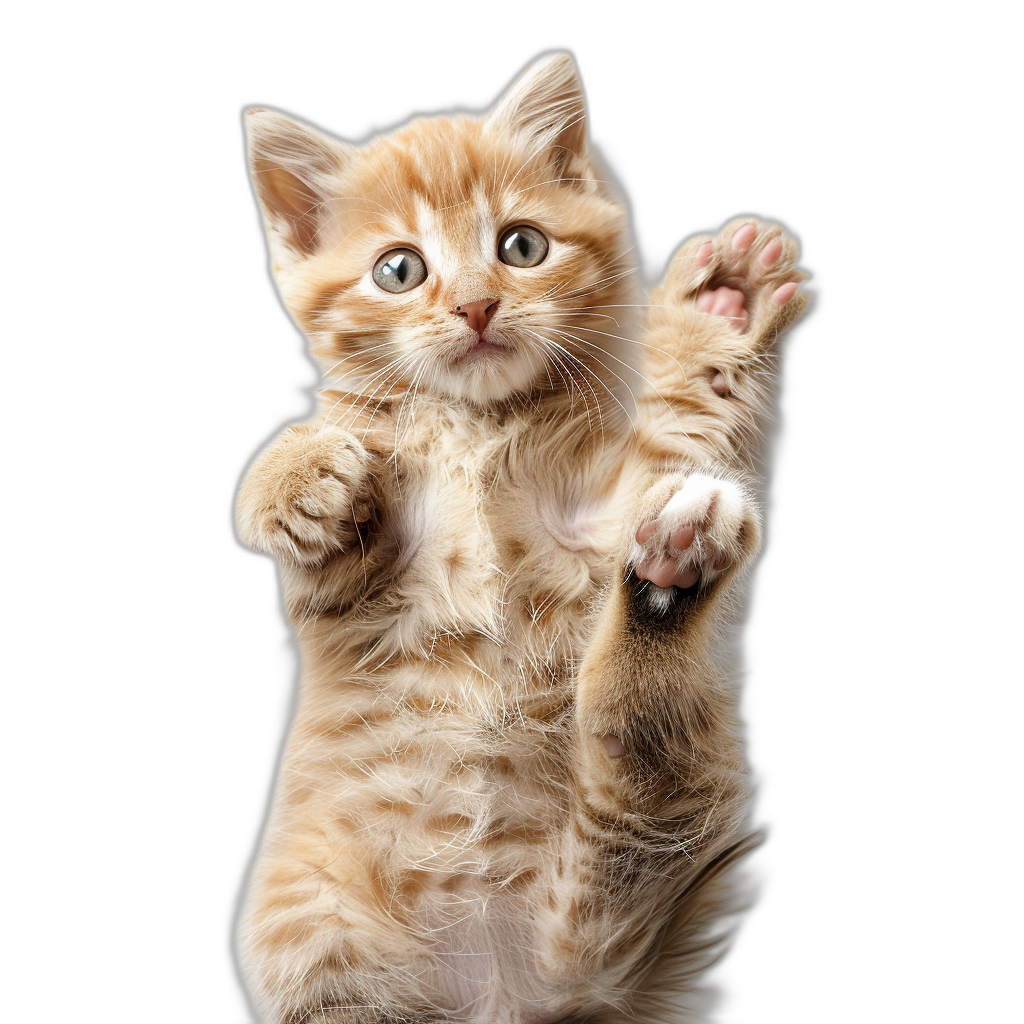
point(295, 170)
point(546, 104)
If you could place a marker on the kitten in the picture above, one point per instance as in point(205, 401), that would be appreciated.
point(508, 541)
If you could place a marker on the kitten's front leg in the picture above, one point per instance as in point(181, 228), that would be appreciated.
point(313, 499)
point(304, 496)
point(746, 275)
point(712, 339)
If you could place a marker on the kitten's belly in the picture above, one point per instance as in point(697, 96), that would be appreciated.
point(486, 957)
point(484, 854)
point(449, 789)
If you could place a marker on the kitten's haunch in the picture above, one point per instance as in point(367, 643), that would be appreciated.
point(509, 540)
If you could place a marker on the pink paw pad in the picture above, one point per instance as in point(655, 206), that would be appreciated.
point(695, 537)
point(740, 270)
point(612, 746)
point(666, 572)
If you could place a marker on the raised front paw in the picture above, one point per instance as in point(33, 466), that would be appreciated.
point(303, 497)
point(692, 530)
point(747, 275)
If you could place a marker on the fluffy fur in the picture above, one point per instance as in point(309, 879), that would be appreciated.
point(513, 786)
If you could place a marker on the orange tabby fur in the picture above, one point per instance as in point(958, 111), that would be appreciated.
point(513, 784)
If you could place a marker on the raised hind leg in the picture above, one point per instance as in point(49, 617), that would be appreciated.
point(663, 786)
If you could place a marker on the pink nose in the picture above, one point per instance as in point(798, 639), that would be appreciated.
point(478, 314)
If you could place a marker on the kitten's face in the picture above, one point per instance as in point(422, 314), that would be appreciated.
point(462, 258)
point(442, 223)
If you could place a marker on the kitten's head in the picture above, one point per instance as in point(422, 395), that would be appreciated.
point(465, 258)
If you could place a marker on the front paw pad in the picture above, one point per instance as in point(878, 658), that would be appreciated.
point(705, 527)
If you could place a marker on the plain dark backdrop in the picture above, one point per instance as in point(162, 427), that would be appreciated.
point(695, 142)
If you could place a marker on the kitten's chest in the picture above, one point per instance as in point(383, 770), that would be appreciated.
point(489, 546)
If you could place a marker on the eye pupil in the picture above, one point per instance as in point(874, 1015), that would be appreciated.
point(396, 267)
point(519, 242)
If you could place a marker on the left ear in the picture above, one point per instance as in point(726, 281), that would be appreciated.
point(546, 105)
point(295, 170)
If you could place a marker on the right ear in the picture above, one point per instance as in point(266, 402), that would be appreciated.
point(295, 171)
point(546, 106)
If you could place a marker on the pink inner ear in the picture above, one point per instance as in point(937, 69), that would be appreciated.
point(290, 199)
point(294, 168)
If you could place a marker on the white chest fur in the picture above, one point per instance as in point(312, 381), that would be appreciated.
point(485, 533)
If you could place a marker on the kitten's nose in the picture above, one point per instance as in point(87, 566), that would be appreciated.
point(478, 314)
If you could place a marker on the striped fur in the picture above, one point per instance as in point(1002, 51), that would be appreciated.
point(451, 836)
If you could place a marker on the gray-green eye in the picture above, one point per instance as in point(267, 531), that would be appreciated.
point(522, 246)
point(400, 270)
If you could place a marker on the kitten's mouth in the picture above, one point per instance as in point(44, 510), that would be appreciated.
point(482, 346)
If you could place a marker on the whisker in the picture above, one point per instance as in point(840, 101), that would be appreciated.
point(560, 355)
point(574, 382)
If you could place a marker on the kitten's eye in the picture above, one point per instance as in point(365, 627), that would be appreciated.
point(522, 246)
point(400, 270)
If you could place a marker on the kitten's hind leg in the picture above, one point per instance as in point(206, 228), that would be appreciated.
point(655, 707)
point(661, 779)
point(318, 943)
point(692, 530)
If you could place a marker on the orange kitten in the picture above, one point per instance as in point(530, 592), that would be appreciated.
point(508, 540)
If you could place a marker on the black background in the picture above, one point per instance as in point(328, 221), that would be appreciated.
point(696, 139)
